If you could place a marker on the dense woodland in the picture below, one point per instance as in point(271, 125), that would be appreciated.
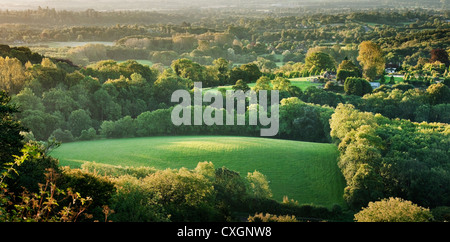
point(393, 139)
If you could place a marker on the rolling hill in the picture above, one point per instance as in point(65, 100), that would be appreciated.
point(303, 171)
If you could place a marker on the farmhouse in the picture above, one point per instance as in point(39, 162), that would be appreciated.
point(391, 70)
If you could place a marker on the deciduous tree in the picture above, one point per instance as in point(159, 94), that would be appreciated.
point(320, 60)
point(371, 59)
point(393, 210)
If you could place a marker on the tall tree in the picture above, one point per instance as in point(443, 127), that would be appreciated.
point(263, 83)
point(241, 85)
point(357, 86)
point(247, 72)
point(223, 68)
point(320, 60)
point(438, 93)
point(79, 120)
point(371, 59)
point(189, 69)
point(167, 83)
point(347, 69)
point(440, 55)
point(12, 75)
point(10, 137)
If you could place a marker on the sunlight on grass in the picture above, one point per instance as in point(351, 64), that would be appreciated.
point(303, 171)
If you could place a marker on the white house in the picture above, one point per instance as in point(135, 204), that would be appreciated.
point(375, 85)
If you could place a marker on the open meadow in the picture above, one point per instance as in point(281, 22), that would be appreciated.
point(303, 171)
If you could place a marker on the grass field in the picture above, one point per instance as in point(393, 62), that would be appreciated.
point(306, 172)
point(301, 82)
point(397, 79)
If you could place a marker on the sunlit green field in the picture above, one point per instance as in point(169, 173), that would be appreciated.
point(301, 82)
point(303, 171)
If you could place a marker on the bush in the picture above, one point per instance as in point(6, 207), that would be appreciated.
point(62, 136)
point(403, 86)
point(124, 127)
point(186, 195)
point(438, 93)
point(117, 171)
point(258, 185)
point(441, 214)
point(303, 212)
point(89, 134)
point(99, 188)
point(134, 203)
point(32, 171)
point(271, 218)
point(357, 86)
point(342, 75)
point(333, 86)
point(393, 210)
point(42, 206)
point(446, 81)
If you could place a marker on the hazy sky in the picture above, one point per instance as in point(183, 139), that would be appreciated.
point(177, 4)
point(109, 4)
point(137, 4)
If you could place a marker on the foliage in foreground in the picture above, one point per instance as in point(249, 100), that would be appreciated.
point(201, 194)
point(393, 210)
point(383, 157)
point(49, 204)
point(260, 217)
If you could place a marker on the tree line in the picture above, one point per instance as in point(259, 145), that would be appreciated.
point(65, 101)
point(382, 157)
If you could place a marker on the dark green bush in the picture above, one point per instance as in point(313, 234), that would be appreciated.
point(32, 171)
point(97, 187)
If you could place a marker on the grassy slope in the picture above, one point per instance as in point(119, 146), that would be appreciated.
point(301, 82)
point(303, 171)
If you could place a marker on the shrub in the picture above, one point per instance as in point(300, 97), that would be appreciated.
point(258, 185)
point(357, 86)
point(124, 127)
point(441, 214)
point(393, 210)
point(62, 136)
point(89, 134)
point(133, 203)
point(43, 206)
point(342, 75)
point(403, 86)
point(99, 188)
point(259, 217)
point(303, 212)
point(333, 86)
point(32, 171)
point(230, 187)
point(438, 93)
point(117, 171)
point(186, 195)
